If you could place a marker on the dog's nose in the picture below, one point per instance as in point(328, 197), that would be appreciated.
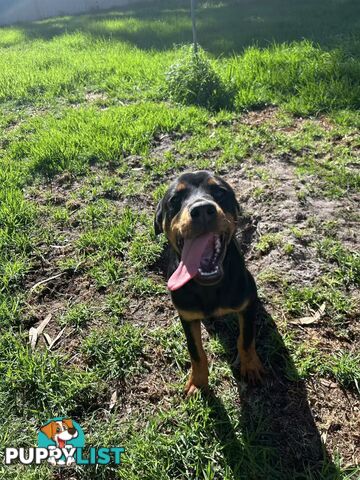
point(203, 212)
point(72, 431)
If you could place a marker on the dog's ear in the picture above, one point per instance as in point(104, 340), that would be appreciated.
point(235, 204)
point(48, 429)
point(158, 228)
point(68, 422)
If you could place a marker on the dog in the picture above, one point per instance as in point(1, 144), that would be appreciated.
point(206, 274)
point(60, 432)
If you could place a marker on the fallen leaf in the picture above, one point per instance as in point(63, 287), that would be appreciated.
point(304, 321)
point(113, 400)
point(47, 338)
point(33, 336)
point(43, 324)
point(322, 309)
point(56, 338)
point(46, 280)
point(309, 320)
point(35, 332)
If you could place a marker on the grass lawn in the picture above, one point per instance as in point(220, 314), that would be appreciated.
point(89, 139)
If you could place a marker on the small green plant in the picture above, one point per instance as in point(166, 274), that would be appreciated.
point(345, 367)
point(40, 381)
point(271, 276)
point(109, 271)
point(114, 352)
point(192, 79)
point(289, 248)
point(297, 299)
point(116, 305)
point(267, 242)
point(348, 262)
point(77, 315)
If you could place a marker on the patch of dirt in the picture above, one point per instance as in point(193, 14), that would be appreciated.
point(337, 416)
point(95, 97)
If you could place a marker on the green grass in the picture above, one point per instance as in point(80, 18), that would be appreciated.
point(347, 262)
point(89, 139)
point(267, 242)
point(114, 351)
point(344, 367)
point(80, 138)
point(77, 315)
point(111, 59)
point(40, 382)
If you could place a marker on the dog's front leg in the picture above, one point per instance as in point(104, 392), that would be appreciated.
point(199, 366)
point(250, 364)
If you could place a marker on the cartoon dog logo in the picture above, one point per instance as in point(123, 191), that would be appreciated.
point(60, 433)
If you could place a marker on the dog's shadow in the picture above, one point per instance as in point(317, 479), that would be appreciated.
point(275, 435)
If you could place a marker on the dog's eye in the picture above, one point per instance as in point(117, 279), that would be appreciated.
point(219, 193)
point(58, 429)
point(175, 202)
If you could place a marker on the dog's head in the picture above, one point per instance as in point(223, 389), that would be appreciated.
point(60, 431)
point(198, 215)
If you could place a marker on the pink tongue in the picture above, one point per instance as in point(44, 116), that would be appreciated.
point(191, 255)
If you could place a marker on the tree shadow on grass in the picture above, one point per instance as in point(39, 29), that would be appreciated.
point(278, 437)
point(223, 27)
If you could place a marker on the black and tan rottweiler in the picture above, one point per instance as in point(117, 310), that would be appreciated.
point(207, 276)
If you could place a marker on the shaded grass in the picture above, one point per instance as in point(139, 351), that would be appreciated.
point(71, 57)
point(224, 27)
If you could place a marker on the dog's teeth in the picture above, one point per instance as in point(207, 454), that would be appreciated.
point(208, 274)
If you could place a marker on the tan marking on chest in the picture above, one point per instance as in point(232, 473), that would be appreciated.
point(220, 312)
point(190, 315)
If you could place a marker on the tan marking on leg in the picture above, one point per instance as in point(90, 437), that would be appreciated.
point(198, 378)
point(250, 364)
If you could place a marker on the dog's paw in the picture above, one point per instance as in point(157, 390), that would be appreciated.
point(251, 368)
point(193, 386)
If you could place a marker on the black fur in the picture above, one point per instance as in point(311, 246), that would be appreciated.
point(237, 284)
point(194, 354)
